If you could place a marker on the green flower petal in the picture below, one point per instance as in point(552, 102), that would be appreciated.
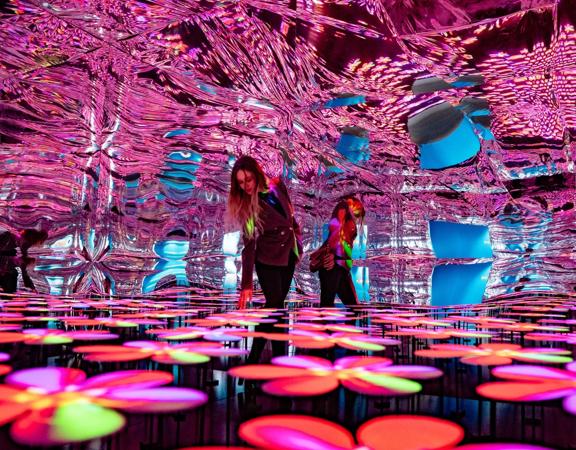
point(70, 422)
point(400, 385)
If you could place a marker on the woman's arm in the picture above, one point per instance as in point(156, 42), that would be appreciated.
point(281, 187)
point(248, 260)
point(24, 262)
point(334, 229)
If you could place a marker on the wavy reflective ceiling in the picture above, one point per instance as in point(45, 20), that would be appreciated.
point(120, 121)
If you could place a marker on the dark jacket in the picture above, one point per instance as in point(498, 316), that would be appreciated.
point(9, 259)
point(279, 236)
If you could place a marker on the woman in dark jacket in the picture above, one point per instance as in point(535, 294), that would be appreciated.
point(261, 207)
point(335, 278)
point(9, 260)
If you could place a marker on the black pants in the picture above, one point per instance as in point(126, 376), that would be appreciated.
point(275, 283)
point(336, 281)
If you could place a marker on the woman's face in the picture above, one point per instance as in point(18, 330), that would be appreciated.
point(247, 181)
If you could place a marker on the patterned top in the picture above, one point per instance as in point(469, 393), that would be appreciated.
point(341, 240)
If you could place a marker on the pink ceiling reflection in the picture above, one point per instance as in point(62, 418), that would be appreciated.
point(119, 122)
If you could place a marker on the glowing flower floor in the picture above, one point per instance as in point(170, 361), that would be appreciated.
point(150, 373)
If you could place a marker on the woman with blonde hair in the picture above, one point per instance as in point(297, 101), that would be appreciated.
point(262, 209)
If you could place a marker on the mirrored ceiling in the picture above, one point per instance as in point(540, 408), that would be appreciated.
point(120, 121)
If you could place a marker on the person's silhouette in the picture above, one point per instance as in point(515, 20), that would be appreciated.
point(10, 260)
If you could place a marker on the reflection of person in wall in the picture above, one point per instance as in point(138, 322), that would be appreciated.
point(10, 260)
point(335, 278)
point(261, 207)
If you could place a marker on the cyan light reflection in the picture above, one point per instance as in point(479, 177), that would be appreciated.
point(63, 244)
point(170, 264)
point(230, 251)
point(177, 132)
point(359, 249)
point(345, 101)
point(459, 146)
point(361, 280)
point(457, 284)
point(230, 243)
point(179, 174)
point(56, 284)
point(354, 145)
point(172, 250)
point(460, 240)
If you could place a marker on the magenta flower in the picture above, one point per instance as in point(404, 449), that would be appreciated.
point(46, 336)
point(4, 369)
point(495, 354)
point(394, 432)
point(53, 406)
point(161, 352)
point(318, 340)
point(308, 375)
point(533, 384)
point(221, 334)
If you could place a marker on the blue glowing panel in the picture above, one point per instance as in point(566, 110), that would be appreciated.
point(177, 132)
point(458, 284)
point(361, 280)
point(459, 146)
point(179, 174)
point(171, 249)
point(459, 240)
point(230, 243)
point(345, 101)
point(170, 264)
point(354, 148)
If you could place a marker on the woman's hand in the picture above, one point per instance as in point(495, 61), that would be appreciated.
point(245, 297)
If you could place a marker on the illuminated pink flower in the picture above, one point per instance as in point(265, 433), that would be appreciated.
point(319, 340)
point(395, 432)
point(533, 384)
point(53, 406)
point(161, 352)
point(401, 432)
point(309, 375)
point(12, 317)
point(321, 327)
point(46, 336)
point(163, 314)
point(115, 322)
point(569, 338)
point(234, 319)
point(524, 327)
point(4, 369)
point(442, 333)
point(495, 354)
point(221, 334)
point(323, 314)
point(411, 321)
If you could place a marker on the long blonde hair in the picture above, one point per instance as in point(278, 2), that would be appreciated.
point(243, 209)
